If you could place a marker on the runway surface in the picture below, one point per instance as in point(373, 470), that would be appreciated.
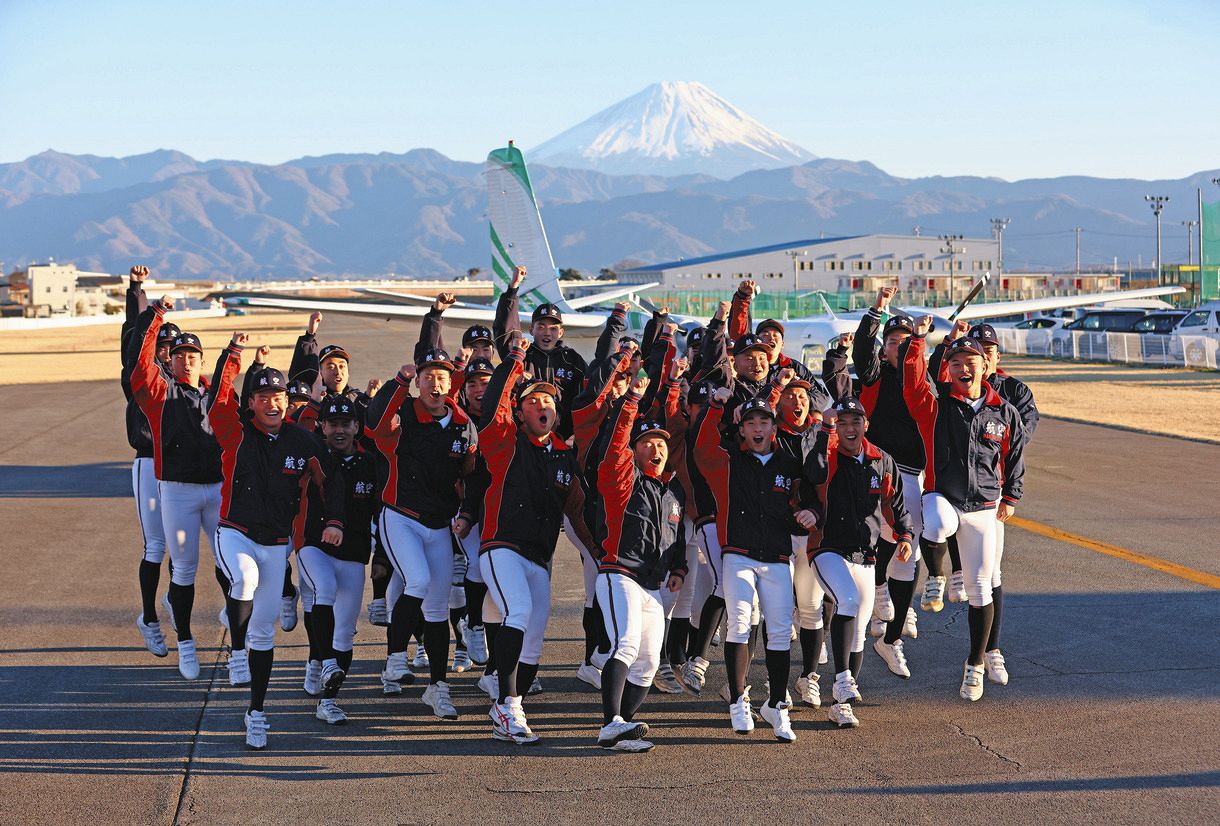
point(1110, 715)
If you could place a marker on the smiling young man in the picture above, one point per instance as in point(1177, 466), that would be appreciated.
point(268, 464)
point(974, 441)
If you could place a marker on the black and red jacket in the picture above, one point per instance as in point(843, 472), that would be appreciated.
point(891, 424)
point(139, 433)
point(976, 456)
point(854, 498)
point(754, 496)
point(421, 459)
point(639, 516)
point(357, 475)
point(184, 447)
point(532, 484)
point(266, 475)
point(1009, 388)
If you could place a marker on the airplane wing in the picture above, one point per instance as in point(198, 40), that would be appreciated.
point(608, 295)
point(996, 309)
point(582, 321)
point(413, 298)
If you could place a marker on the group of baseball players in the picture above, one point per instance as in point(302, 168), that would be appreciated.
point(721, 495)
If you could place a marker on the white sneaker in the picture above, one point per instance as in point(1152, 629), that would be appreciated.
point(910, 628)
point(883, 606)
point(694, 674)
point(997, 671)
point(490, 684)
point(618, 729)
point(396, 667)
point(154, 640)
point(972, 683)
point(437, 696)
point(823, 655)
point(777, 716)
point(379, 614)
point(288, 611)
point(421, 662)
point(313, 678)
point(256, 729)
point(741, 716)
point(591, 674)
point(188, 662)
point(895, 658)
point(390, 687)
point(169, 612)
point(933, 598)
point(634, 746)
point(239, 668)
point(957, 587)
point(508, 723)
point(842, 716)
point(461, 661)
point(332, 676)
point(810, 690)
point(223, 618)
point(330, 713)
point(665, 681)
point(535, 687)
point(845, 689)
point(476, 643)
point(876, 627)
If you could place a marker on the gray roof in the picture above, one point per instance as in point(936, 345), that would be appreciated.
point(724, 256)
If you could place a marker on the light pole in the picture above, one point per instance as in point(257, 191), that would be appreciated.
point(998, 225)
point(1077, 230)
point(1190, 241)
point(1157, 202)
point(951, 249)
point(796, 279)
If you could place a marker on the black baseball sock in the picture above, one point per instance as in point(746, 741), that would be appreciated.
point(344, 659)
point(322, 632)
point(885, 552)
point(779, 666)
point(737, 664)
point(398, 634)
point(811, 647)
point(315, 651)
point(980, 630)
point(492, 629)
point(508, 655)
point(675, 640)
point(182, 600)
point(526, 673)
point(456, 615)
point(838, 642)
point(591, 622)
point(997, 599)
point(633, 698)
point(290, 590)
point(955, 556)
point(222, 580)
point(933, 555)
point(614, 679)
point(436, 643)
point(260, 677)
point(709, 623)
point(238, 612)
point(150, 578)
point(380, 584)
point(752, 641)
point(855, 662)
point(475, 592)
point(901, 593)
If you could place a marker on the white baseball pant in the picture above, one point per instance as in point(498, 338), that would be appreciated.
point(852, 587)
point(148, 507)
point(588, 565)
point(678, 605)
point(976, 542)
point(635, 623)
point(809, 593)
point(423, 558)
point(912, 492)
point(335, 582)
point(471, 546)
point(187, 509)
point(521, 593)
point(257, 573)
point(771, 583)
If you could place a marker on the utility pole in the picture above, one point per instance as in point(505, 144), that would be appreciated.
point(951, 249)
point(796, 279)
point(998, 225)
point(1077, 230)
point(1190, 241)
point(1157, 202)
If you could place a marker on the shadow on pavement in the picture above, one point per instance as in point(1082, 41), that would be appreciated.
point(101, 480)
point(1192, 780)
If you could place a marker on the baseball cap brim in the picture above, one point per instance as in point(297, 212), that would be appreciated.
point(428, 365)
point(540, 387)
point(186, 346)
point(656, 431)
point(338, 352)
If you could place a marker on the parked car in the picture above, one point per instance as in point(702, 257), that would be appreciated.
point(1203, 321)
point(1093, 325)
point(1161, 322)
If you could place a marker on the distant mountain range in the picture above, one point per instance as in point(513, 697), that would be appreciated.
point(421, 213)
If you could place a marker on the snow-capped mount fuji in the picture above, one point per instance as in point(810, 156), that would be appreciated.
point(671, 128)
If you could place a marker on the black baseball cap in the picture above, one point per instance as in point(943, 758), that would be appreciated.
point(756, 405)
point(476, 334)
point(186, 341)
point(332, 351)
point(747, 343)
point(695, 337)
point(984, 334)
point(436, 357)
point(545, 311)
point(337, 407)
point(898, 322)
point(797, 381)
point(701, 393)
point(538, 387)
point(628, 339)
point(964, 346)
point(772, 324)
point(850, 404)
point(169, 330)
point(269, 379)
point(480, 367)
point(648, 427)
point(298, 389)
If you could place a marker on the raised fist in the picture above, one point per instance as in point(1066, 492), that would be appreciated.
point(167, 302)
point(407, 371)
point(846, 339)
point(748, 287)
point(924, 325)
point(518, 277)
point(785, 376)
point(373, 386)
point(622, 306)
point(240, 339)
point(722, 310)
point(639, 384)
point(138, 273)
point(721, 395)
point(884, 296)
point(444, 301)
point(677, 368)
point(263, 353)
point(315, 319)
point(960, 328)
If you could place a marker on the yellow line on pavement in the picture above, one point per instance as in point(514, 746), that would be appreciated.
point(1162, 565)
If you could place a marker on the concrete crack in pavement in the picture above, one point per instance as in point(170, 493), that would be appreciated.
point(979, 742)
point(190, 757)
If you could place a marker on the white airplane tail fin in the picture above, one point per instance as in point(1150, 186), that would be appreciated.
point(518, 238)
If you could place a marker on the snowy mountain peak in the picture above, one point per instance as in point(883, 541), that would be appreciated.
point(671, 128)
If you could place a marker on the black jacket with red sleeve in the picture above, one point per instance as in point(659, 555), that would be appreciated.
point(266, 475)
point(755, 496)
point(533, 484)
point(639, 516)
point(854, 498)
point(420, 459)
point(976, 457)
point(357, 474)
point(139, 433)
point(184, 447)
point(891, 424)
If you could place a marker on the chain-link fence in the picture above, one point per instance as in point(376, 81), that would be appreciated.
point(1135, 348)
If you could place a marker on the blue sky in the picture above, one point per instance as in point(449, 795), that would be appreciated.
point(1019, 89)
